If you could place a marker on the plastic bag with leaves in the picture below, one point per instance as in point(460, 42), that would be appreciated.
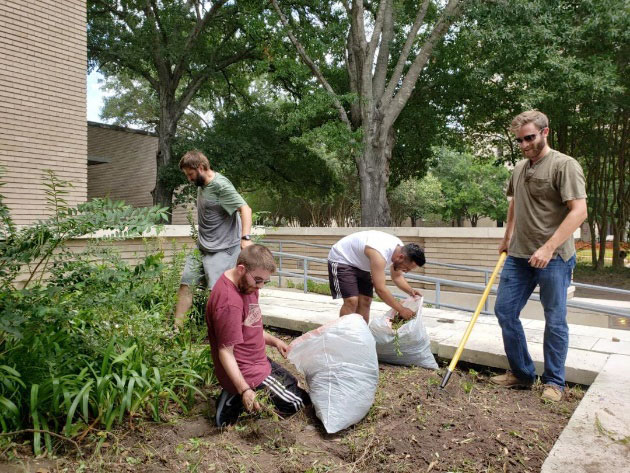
point(339, 362)
point(409, 344)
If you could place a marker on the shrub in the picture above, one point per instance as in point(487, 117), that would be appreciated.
point(89, 346)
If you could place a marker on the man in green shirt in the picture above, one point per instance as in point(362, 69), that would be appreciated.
point(223, 231)
point(548, 204)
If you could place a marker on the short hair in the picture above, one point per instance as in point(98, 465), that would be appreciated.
point(257, 257)
point(531, 116)
point(413, 252)
point(194, 159)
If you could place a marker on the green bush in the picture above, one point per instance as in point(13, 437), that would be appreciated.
point(92, 344)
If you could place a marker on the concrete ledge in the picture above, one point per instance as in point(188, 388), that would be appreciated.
point(589, 347)
point(401, 232)
point(597, 437)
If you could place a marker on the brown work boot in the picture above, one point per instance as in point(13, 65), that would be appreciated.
point(508, 380)
point(551, 393)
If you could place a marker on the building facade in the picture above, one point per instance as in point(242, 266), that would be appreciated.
point(43, 59)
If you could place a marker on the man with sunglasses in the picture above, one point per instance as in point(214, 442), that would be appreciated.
point(237, 342)
point(548, 204)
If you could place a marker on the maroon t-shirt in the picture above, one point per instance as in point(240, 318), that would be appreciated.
point(234, 319)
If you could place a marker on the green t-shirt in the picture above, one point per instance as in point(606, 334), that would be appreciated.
point(540, 193)
point(219, 223)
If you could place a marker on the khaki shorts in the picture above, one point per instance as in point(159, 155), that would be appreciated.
point(209, 266)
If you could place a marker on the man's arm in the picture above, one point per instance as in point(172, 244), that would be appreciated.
point(246, 223)
point(272, 341)
point(398, 278)
point(509, 228)
point(377, 268)
point(577, 214)
point(248, 395)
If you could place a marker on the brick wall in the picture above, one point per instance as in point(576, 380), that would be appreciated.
point(43, 57)
point(130, 172)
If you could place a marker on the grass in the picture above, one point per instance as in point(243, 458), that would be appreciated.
point(608, 276)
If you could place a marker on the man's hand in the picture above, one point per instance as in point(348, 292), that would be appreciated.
point(406, 313)
point(415, 292)
point(249, 400)
point(282, 347)
point(246, 243)
point(541, 257)
point(503, 246)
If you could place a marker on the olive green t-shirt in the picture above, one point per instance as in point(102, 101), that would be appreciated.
point(219, 222)
point(540, 193)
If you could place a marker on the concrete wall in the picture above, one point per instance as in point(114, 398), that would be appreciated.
point(441, 244)
point(475, 247)
point(129, 170)
point(43, 57)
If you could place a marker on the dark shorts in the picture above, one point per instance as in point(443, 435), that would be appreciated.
point(348, 281)
point(284, 392)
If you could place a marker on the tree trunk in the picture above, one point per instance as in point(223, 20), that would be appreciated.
point(591, 226)
point(373, 167)
point(163, 192)
point(603, 233)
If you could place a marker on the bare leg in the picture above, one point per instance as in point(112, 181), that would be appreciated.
point(364, 307)
point(349, 306)
point(184, 302)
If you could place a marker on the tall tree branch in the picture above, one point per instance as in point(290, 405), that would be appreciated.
point(312, 66)
point(199, 28)
point(396, 104)
point(387, 94)
point(380, 71)
point(157, 51)
point(195, 84)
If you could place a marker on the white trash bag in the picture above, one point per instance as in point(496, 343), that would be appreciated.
point(413, 346)
point(339, 362)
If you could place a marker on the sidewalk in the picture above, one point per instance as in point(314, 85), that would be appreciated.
point(589, 347)
point(597, 437)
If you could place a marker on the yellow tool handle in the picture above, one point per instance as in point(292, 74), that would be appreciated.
point(471, 324)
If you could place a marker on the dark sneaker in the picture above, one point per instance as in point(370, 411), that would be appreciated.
point(551, 393)
point(229, 407)
point(508, 380)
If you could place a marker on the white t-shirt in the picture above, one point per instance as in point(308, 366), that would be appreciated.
point(350, 250)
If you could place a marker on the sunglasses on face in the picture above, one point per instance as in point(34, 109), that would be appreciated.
point(258, 281)
point(528, 138)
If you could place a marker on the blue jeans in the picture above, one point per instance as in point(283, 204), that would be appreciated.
point(518, 280)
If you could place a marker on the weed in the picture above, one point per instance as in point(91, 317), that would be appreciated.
point(467, 386)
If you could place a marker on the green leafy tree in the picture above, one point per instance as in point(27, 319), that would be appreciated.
point(416, 199)
point(175, 48)
point(471, 188)
point(384, 48)
point(570, 60)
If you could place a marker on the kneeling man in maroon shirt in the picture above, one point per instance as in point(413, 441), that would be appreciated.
point(237, 342)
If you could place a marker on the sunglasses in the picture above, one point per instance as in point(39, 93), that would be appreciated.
point(258, 281)
point(528, 138)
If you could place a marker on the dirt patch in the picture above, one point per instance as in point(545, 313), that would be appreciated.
point(471, 426)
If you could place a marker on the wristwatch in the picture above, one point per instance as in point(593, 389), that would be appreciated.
point(246, 237)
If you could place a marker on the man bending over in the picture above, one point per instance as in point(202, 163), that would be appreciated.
point(356, 266)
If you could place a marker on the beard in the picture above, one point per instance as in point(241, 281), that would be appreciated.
point(535, 148)
point(200, 181)
point(244, 287)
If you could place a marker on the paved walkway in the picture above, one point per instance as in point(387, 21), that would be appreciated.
point(596, 439)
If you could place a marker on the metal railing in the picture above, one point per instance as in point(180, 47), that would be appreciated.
point(438, 282)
